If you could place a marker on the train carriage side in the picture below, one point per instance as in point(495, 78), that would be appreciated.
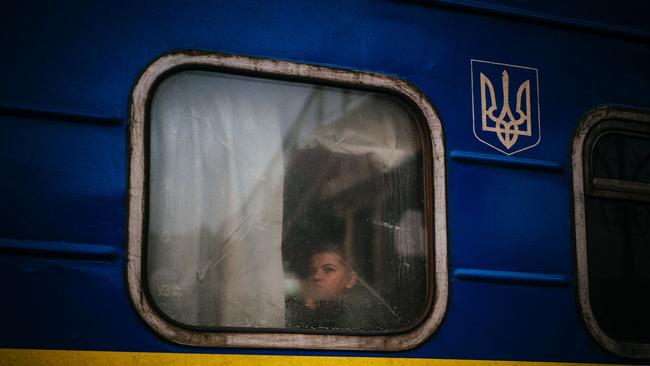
point(173, 172)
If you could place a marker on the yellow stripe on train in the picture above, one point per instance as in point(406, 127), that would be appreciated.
point(28, 357)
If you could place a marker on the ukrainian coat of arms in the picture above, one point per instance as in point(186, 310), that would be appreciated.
point(505, 104)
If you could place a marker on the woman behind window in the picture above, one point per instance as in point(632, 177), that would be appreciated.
point(330, 297)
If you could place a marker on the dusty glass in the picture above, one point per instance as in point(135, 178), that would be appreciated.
point(618, 234)
point(285, 205)
point(622, 156)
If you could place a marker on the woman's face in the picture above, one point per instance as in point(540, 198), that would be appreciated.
point(329, 277)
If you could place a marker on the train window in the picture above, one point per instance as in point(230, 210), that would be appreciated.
point(275, 204)
point(612, 199)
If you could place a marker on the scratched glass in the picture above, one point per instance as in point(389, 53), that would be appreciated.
point(622, 157)
point(277, 205)
point(618, 233)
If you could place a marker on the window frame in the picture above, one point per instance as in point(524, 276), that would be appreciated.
point(594, 125)
point(434, 206)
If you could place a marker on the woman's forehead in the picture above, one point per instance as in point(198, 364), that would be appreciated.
point(327, 257)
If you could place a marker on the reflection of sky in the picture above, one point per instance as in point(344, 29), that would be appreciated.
point(219, 143)
point(227, 132)
point(218, 148)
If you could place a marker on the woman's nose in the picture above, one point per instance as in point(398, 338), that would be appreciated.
point(318, 275)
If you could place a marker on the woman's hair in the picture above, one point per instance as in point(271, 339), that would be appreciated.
point(333, 248)
point(304, 264)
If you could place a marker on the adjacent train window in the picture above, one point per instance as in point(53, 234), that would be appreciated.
point(285, 207)
point(614, 244)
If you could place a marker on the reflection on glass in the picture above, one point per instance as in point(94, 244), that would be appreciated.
point(621, 156)
point(284, 205)
point(618, 233)
point(619, 240)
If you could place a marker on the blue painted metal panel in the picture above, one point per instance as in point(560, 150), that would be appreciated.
point(602, 16)
point(64, 181)
point(506, 161)
point(523, 278)
point(58, 249)
point(65, 177)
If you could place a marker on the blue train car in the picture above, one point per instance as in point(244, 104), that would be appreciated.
point(368, 182)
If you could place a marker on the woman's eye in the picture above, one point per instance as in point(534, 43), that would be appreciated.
point(328, 269)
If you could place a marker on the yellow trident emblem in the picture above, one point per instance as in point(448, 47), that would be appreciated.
point(507, 127)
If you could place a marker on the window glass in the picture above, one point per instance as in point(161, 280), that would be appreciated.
point(285, 205)
point(619, 267)
point(618, 235)
point(621, 156)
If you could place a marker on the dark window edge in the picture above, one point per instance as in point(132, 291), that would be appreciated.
point(596, 120)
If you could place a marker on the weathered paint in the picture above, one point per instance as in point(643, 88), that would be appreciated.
point(435, 203)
